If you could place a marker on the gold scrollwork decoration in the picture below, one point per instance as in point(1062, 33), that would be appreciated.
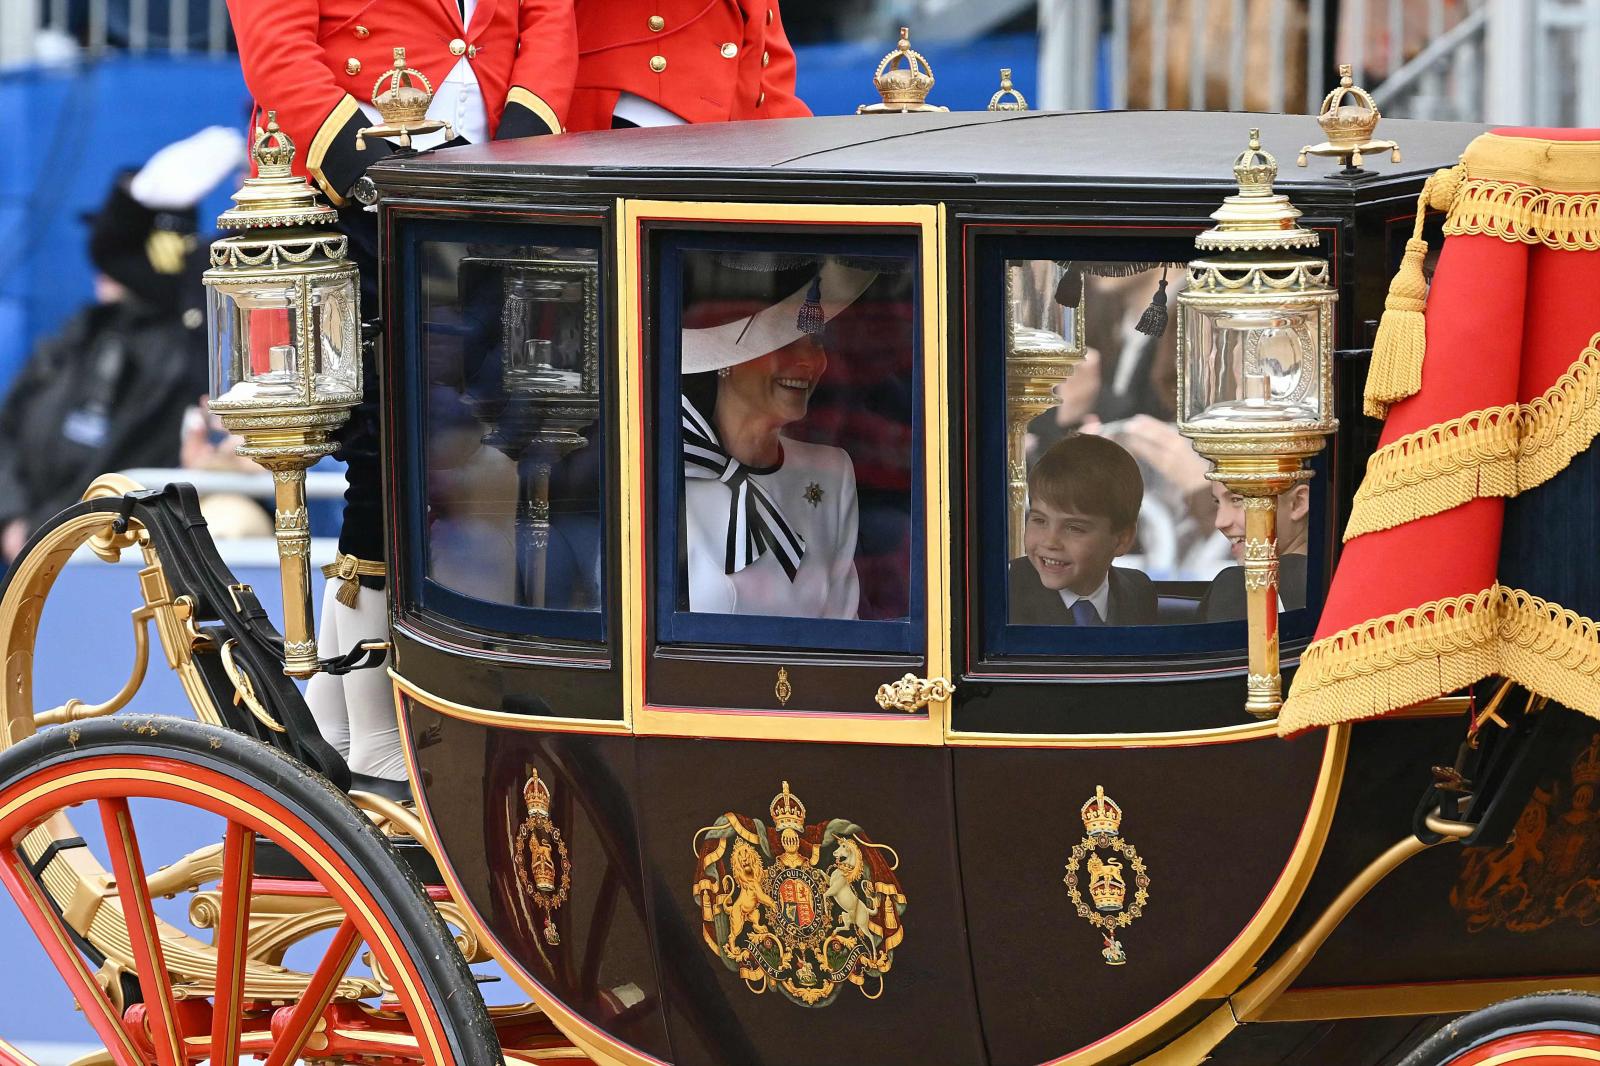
point(1101, 854)
point(913, 693)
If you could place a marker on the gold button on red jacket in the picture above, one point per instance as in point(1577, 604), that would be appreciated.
point(699, 80)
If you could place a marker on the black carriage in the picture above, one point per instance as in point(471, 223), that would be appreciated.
point(882, 813)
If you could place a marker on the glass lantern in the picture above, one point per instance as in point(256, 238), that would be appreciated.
point(1255, 377)
point(285, 351)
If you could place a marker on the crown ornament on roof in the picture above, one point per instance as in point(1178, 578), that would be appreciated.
point(998, 101)
point(402, 96)
point(902, 88)
point(1349, 117)
point(787, 811)
point(275, 196)
point(1257, 217)
point(536, 795)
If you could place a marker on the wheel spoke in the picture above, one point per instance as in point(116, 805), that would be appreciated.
point(318, 994)
point(143, 934)
point(53, 936)
point(233, 934)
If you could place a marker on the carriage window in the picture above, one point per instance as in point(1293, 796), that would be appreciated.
point(1109, 520)
point(512, 456)
point(789, 375)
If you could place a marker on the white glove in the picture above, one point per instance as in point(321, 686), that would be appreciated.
point(179, 175)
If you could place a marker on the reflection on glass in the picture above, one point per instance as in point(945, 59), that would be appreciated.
point(511, 344)
point(1107, 502)
point(1044, 344)
point(1224, 597)
point(796, 409)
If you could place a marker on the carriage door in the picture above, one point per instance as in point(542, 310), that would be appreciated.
point(787, 505)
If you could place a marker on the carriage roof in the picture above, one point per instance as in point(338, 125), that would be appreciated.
point(961, 154)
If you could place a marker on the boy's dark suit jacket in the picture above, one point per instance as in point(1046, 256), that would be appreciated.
point(1224, 597)
point(1132, 601)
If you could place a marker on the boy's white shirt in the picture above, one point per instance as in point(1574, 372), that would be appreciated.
point(1100, 598)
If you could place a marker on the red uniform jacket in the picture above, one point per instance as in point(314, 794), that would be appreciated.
point(311, 60)
point(703, 60)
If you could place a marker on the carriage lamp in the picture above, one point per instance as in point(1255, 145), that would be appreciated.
point(285, 351)
point(1255, 378)
point(550, 381)
point(902, 89)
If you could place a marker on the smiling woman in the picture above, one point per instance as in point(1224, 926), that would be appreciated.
point(771, 520)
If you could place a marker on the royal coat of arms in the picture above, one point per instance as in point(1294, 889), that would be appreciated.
point(1549, 869)
point(804, 909)
point(1101, 855)
point(541, 856)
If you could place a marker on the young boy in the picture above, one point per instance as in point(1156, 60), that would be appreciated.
point(1224, 598)
point(1083, 505)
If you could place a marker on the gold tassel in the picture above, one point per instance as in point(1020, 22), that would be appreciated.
point(1396, 369)
point(349, 570)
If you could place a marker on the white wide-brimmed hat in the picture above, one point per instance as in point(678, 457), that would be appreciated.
point(780, 325)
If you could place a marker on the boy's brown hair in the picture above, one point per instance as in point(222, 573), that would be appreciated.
point(1089, 475)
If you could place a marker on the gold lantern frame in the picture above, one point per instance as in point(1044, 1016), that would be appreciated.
point(1260, 261)
point(280, 241)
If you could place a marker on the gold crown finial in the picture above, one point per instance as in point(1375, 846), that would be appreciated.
point(402, 95)
point(274, 197)
point(1349, 118)
point(1255, 168)
point(1257, 217)
point(273, 150)
point(787, 811)
point(998, 101)
point(902, 88)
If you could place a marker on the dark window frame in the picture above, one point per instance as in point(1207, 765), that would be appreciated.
point(560, 628)
point(681, 628)
point(1119, 649)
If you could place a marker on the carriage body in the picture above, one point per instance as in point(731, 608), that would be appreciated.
point(908, 822)
point(668, 737)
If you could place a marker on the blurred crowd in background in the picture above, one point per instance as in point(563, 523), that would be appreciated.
point(124, 125)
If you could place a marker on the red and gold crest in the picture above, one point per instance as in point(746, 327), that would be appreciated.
point(540, 856)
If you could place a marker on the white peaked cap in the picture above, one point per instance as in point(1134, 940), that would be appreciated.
point(771, 328)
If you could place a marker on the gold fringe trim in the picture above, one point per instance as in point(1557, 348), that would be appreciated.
point(1419, 654)
point(1498, 451)
point(1512, 211)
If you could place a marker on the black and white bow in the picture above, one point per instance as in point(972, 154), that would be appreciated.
point(755, 522)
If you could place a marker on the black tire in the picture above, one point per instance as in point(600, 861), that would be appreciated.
point(1575, 1013)
point(327, 815)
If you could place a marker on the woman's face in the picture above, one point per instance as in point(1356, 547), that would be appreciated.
point(778, 385)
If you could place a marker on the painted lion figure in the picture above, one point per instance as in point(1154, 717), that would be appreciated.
point(742, 896)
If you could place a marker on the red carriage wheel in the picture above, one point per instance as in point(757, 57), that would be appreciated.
point(427, 1010)
point(1548, 1029)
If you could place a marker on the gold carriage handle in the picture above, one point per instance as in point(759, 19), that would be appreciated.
point(913, 693)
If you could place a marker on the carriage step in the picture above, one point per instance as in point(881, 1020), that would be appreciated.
point(274, 863)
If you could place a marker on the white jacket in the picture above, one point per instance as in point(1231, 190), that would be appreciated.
point(815, 486)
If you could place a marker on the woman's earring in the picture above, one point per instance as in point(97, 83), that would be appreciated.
point(722, 372)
